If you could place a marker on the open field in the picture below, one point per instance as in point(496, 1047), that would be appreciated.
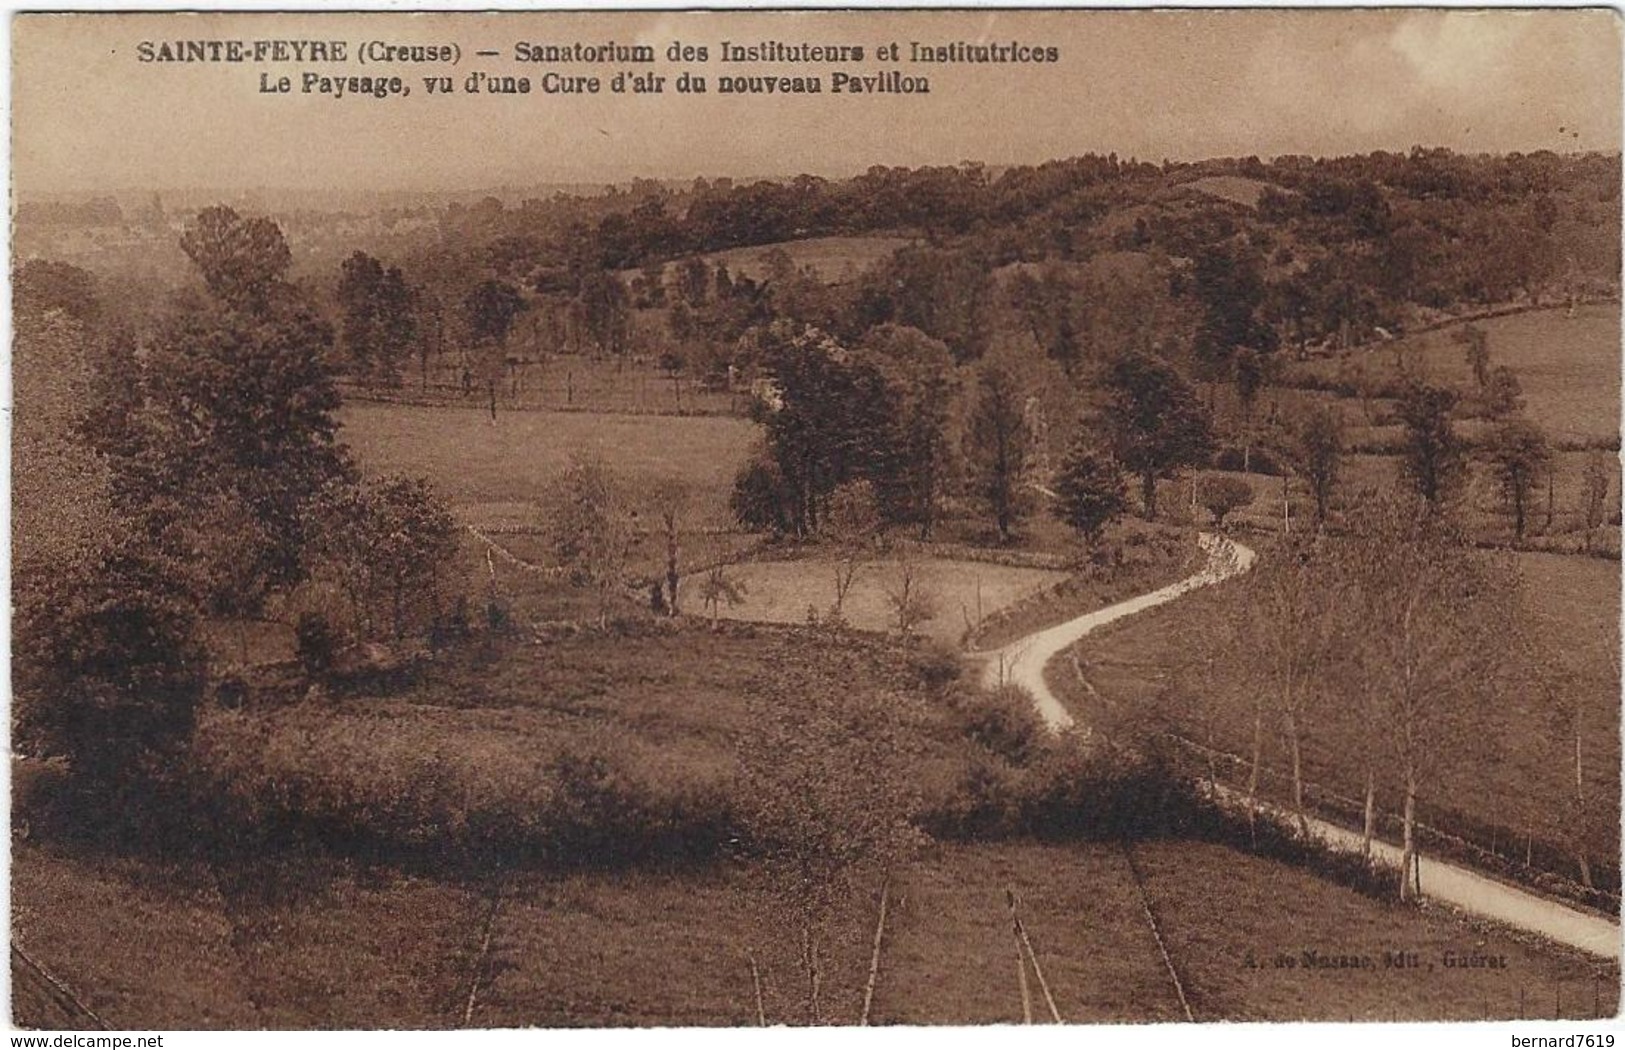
point(1233, 188)
point(962, 593)
point(647, 557)
point(470, 459)
point(309, 943)
point(1568, 367)
point(834, 259)
point(1516, 774)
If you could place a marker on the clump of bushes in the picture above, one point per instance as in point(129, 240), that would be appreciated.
point(315, 642)
point(1257, 460)
point(937, 668)
point(1003, 721)
point(1074, 788)
point(391, 788)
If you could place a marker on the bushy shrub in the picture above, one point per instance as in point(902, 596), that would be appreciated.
point(109, 670)
point(315, 642)
point(1002, 720)
point(1077, 789)
point(938, 668)
point(1088, 789)
point(980, 804)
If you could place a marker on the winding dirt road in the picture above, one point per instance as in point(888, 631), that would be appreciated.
point(1022, 663)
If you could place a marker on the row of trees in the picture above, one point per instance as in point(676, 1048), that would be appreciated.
point(1391, 643)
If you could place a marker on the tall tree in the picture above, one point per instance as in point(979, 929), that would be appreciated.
point(1317, 448)
point(389, 546)
point(234, 402)
point(243, 260)
point(671, 502)
point(589, 523)
point(1598, 478)
point(1518, 455)
point(831, 418)
point(1229, 283)
point(921, 373)
point(1157, 422)
point(398, 320)
point(998, 443)
point(489, 311)
point(380, 320)
point(604, 311)
point(357, 294)
point(1433, 460)
point(1292, 630)
point(1091, 490)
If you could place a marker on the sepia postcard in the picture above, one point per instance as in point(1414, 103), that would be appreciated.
point(882, 517)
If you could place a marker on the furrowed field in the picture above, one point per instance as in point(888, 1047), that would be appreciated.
point(363, 947)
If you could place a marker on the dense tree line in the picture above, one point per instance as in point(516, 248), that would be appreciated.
point(226, 491)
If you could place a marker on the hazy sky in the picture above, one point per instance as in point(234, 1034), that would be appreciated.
point(88, 116)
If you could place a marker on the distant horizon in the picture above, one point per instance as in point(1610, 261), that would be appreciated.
point(555, 185)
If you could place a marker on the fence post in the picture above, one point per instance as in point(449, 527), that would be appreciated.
point(756, 982)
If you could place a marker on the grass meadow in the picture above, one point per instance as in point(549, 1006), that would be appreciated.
point(960, 593)
point(472, 460)
point(1568, 367)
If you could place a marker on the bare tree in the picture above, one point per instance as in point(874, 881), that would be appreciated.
point(718, 588)
point(1432, 613)
point(911, 601)
point(826, 808)
point(1598, 479)
point(1293, 629)
point(851, 523)
point(671, 500)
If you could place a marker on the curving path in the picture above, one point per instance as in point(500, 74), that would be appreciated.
point(1022, 663)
